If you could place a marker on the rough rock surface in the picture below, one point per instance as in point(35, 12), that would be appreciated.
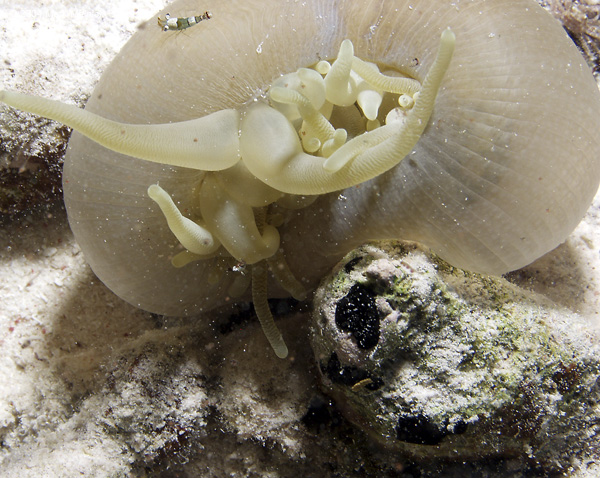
point(435, 361)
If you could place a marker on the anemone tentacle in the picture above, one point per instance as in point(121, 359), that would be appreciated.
point(272, 152)
point(282, 272)
point(383, 82)
point(314, 122)
point(261, 307)
point(234, 224)
point(340, 87)
point(194, 236)
point(210, 143)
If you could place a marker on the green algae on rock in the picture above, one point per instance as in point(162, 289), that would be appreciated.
point(435, 361)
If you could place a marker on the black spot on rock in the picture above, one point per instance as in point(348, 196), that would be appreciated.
point(348, 375)
point(349, 266)
point(318, 415)
point(418, 429)
point(567, 378)
point(460, 427)
point(357, 313)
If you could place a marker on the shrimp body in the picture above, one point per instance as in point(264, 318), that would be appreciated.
point(181, 23)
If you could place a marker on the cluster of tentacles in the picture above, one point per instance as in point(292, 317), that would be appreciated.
point(320, 130)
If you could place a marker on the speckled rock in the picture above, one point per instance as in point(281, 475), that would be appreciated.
point(437, 362)
point(30, 168)
point(581, 20)
point(147, 406)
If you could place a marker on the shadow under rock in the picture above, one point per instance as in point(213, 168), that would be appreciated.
point(557, 275)
point(94, 331)
point(21, 236)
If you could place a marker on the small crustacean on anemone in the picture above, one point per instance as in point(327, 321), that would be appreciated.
point(169, 23)
point(255, 119)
